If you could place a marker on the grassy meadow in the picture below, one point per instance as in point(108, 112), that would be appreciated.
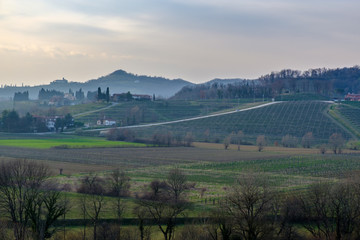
point(48, 142)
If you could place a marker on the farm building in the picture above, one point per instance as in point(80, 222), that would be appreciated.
point(118, 97)
point(352, 97)
point(106, 122)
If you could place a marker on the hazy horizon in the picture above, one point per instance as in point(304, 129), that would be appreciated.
point(196, 40)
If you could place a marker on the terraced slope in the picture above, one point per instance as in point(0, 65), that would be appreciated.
point(275, 121)
point(351, 111)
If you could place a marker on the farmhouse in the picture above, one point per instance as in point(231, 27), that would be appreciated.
point(50, 122)
point(352, 97)
point(141, 97)
point(106, 122)
point(119, 97)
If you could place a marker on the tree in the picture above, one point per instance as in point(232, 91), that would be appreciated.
point(21, 182)
point(188, 139)
point(93, 199)
point(79, 95)
point(307, 140)
point(239, 136)
point(119, 187)
point(107, 96)
point(250, 204)
point(166, 201)
point(331, 210)
point(336, 142)
point(99, 94)
point(227, 142)
point(43, 211)
point(261, 142)
point(289, 141)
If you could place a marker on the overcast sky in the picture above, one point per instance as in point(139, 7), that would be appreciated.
point(197, 40)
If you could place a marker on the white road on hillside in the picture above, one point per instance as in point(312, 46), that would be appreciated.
point(188, 119)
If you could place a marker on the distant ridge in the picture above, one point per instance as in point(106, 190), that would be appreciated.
point(118, 81)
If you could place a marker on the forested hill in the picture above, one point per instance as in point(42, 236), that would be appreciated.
point(328, 83)
point(118, 82)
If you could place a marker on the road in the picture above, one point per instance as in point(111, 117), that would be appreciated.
point(97, 110)
point(187, 119)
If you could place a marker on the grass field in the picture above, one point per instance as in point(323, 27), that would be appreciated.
point(64, 142)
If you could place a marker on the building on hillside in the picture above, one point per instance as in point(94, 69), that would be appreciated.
point(120, 97)
point(141, 97)
point(352, 97)
point(49, 121)
point(106, 122)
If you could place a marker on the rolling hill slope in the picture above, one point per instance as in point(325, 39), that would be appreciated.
point(274, 121)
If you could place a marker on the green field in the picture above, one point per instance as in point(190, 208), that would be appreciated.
point(65, 142)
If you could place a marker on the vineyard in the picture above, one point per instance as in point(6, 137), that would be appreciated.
point(275, 121)
point(136, 112)
point(351, 112)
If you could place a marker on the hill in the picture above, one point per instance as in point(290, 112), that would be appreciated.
point(321, 83)
point(295, 118)
point(118, 82)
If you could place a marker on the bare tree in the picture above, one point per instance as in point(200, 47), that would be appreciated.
point(227, 142)
point(331, 210)
point(119, 187)
point(165, 202)
point(188, 139)
point(239, 136)
point(289, 141)
point(44, 210)
point(261, 142)
point(20, 180)
point(336, 142)
point(92, 200)
point(307, 140)
point(250, 205)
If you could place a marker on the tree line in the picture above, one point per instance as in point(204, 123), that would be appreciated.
point(11, 121)
point(322, 81)
point(250, 209)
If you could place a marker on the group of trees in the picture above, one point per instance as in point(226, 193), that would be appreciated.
point(21, 96)
point(336, 141)
point(326, 82)
point(166, 138)
point(251, 208)
point(245, 89)
point(28, 198)
point(12, 122)
point(48, 94)
point(103, 96)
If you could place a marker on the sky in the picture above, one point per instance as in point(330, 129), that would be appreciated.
point(196, 40)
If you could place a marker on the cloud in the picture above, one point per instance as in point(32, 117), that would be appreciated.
point(194, 39)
